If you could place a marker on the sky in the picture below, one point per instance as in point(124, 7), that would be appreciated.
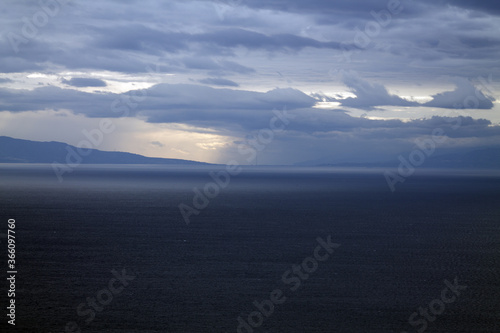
point(214, 80)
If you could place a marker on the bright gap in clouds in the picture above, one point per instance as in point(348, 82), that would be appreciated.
point(131, 135)
point(115, 82)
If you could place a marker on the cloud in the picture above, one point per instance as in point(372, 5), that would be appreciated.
point(369, 94)
point(217, 45)
point(137, 37)
point(219, 82)
point(228, 109)
point(357, 7)
point(221, 66)
point(15, 64)
point(84, 82)
point(163, 103)
point(488, 6)
point(448, 40)
point(319, 6)
point(320, 123)
point(157, 144)
point(220, 108)
point(340, 137)
point(255, 40)
point(465, 96)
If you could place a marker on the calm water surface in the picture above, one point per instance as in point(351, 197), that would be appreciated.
point(396, 249)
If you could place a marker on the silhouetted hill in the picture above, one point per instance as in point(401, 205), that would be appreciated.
point(26, 151)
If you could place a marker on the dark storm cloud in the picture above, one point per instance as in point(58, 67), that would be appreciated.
point(219, 82)
point(84, 82)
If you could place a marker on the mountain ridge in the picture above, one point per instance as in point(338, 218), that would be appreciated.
point(14, 150)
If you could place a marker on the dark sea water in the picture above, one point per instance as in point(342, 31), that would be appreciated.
point(396, 250)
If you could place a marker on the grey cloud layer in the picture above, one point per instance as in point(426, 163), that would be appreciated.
point(180, 103)
point(227, 44)
point(234, 111)
point(86, 36)
point(357, 6)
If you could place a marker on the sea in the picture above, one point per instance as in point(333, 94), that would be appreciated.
point(159, 248)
